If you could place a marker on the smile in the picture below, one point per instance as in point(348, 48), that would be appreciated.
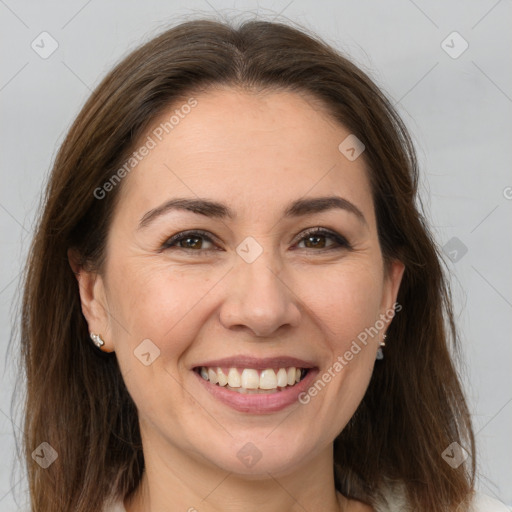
point(256, 385)
point(252, 381)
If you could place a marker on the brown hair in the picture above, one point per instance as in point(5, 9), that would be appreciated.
point(76, 400)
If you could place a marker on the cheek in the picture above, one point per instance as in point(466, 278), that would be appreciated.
point(153, 297)
point(347, 301)
point(168, 306)
point(347, 305)
point(161, 306)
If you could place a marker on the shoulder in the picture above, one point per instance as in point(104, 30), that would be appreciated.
point(395, 501)
point(483, 503)
point(114, 506)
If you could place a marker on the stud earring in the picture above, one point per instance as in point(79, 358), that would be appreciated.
point(380, 353)
point(96, 338)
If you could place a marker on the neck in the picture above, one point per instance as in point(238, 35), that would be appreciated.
point(181, 481)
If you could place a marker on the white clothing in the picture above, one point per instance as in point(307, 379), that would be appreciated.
point(481, 503)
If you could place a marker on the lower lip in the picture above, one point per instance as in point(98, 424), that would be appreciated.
point(260, 403)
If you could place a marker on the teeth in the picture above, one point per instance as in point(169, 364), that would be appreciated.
point(251, 380)
point(212, 375)
point(221, 377)
point(234, 378)
point(282, 378)
point(268, 379)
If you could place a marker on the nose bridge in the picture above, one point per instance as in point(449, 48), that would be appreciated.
point(262, 274)
point(257, 258)
point(259, 299)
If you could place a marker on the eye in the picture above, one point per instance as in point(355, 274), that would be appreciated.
point(314, 238)
point(193, 241)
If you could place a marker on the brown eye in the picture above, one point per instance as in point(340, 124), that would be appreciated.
point(315, 239)
point(192, 240)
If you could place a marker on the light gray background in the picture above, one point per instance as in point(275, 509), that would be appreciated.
point(458, 110)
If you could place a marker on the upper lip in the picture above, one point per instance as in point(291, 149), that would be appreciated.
point(256, 362)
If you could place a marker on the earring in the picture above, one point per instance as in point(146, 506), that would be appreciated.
point(96, 338)
point(380, 353)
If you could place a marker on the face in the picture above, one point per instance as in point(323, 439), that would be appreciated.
point(258, 290)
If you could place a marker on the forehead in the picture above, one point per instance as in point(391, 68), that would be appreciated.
point(251, 150)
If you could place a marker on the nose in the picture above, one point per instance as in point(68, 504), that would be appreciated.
point(258, 299)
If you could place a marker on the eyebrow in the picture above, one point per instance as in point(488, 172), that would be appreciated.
point(215, 209)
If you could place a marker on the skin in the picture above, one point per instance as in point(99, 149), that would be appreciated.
point(256, 153)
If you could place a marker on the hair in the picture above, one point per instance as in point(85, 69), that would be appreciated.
point(76, 399)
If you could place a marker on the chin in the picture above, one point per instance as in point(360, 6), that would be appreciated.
point(257, 454)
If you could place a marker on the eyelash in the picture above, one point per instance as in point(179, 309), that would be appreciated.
point(170, 242)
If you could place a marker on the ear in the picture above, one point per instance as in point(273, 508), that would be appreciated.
point(93, 300)
point(391, 286)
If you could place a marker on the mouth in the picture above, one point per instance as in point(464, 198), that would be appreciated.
point(256, 386)
point(252, 380)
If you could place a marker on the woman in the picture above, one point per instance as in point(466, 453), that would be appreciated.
point(228, 236)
